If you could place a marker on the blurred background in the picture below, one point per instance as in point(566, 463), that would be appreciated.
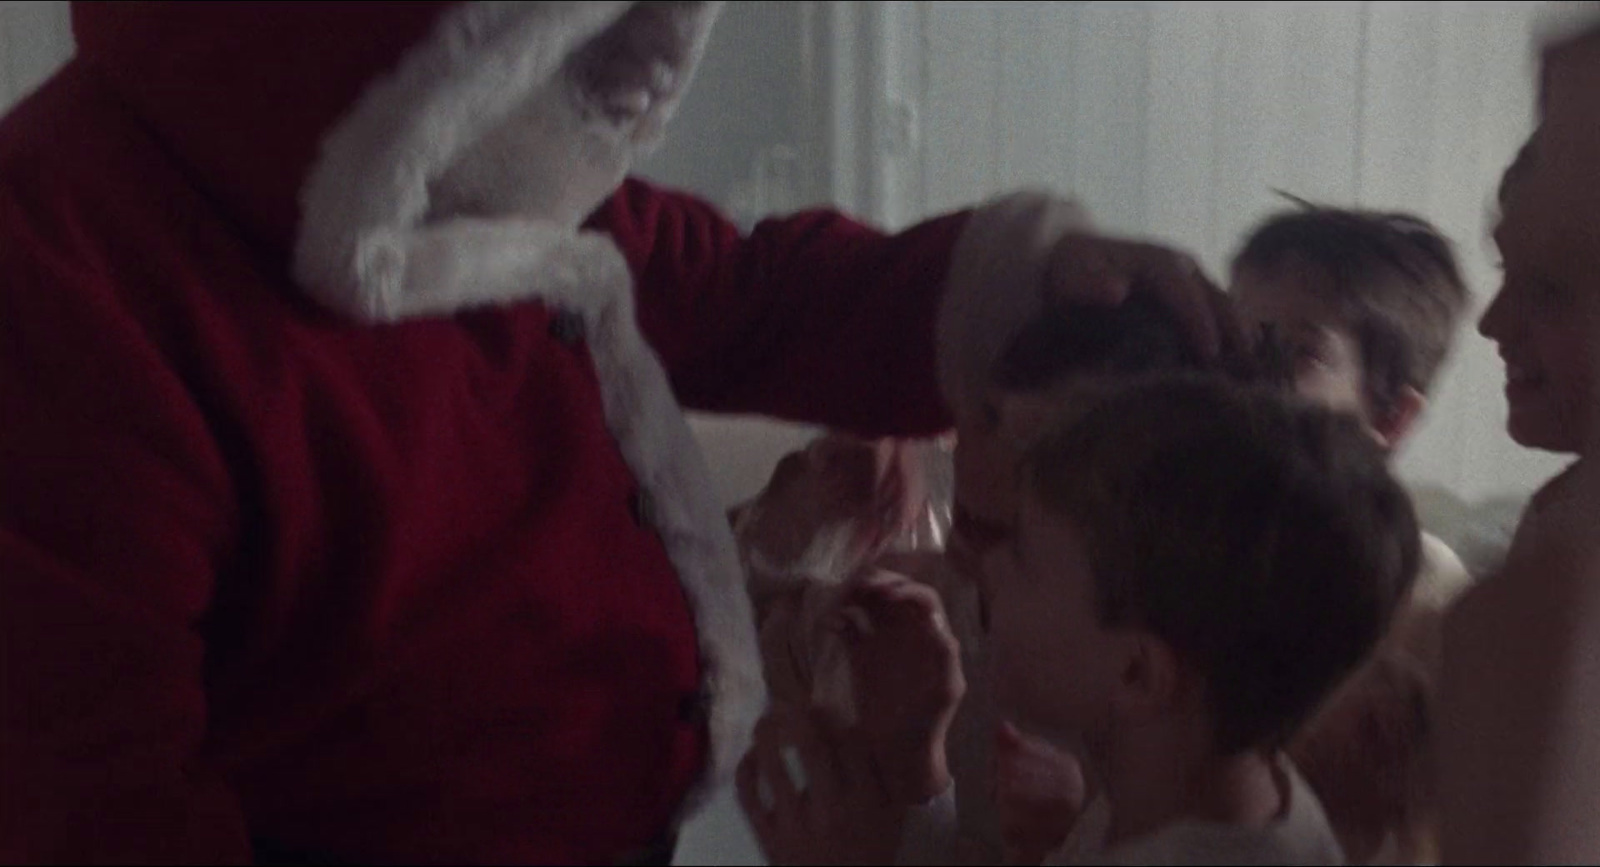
point(1174, 120)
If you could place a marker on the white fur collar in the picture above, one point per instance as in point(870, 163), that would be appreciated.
point(513, 117)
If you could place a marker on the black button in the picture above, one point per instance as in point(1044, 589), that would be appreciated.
point(695, 707)
point(658, 854)
point(567, 328)
point(643, 507)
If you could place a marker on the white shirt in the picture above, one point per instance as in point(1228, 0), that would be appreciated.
point(1301, 836)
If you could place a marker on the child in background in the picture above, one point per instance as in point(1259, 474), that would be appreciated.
point(1055, 366)
point(1196, 567)
point(1367, 305)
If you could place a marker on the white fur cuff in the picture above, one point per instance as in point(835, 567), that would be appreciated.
point(995, 286)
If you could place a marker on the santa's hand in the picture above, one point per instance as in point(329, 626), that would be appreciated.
point(1087, 269)
point(837, 813)
point(905, 665)
point(1039, 794)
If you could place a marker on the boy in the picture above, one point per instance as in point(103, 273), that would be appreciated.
point(1196, 568)
point(1367, 305)
point(1157, 606)
point(1050, 370)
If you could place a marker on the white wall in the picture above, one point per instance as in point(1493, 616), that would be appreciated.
point(1178, 119)
point(748, 138)
point(34, 40)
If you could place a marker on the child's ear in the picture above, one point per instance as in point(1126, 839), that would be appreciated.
point(1394, 426)
point(1152, 679)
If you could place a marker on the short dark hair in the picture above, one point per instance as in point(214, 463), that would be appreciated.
point(1262, 537)
point(1394, 276)
point(1138, 337)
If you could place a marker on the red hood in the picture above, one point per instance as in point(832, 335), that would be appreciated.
point(387, 145)
point(242, 93)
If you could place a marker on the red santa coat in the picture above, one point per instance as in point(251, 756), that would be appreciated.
point(345, 496)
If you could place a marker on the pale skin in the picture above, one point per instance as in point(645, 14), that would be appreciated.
point(1521, 692)
point(1293, 301)
point(850, 810)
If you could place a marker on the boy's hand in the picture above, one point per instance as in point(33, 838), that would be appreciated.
point(905, 665)
point(839, 816)
point(1039, 793)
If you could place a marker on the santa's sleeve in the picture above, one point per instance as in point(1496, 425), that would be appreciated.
point(111, 520)
point(818, 318)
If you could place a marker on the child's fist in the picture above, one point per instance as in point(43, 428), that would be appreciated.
point(836, 813)
point(1039, 794)
point(905, 664)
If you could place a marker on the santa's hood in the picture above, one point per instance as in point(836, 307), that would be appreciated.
point(375, 143)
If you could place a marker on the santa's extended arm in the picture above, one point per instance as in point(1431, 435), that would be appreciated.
point(819, 318)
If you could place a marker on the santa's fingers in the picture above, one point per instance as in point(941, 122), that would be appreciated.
point(1090, 270)
point(1233, 344)
point(1194, 301)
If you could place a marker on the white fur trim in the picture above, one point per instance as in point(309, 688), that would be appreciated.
point(996, 284)
point(654, 437)
point(490, 117)
point(458, 181)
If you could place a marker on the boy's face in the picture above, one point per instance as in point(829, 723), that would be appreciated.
point(1055, 667)
point(990, 445)
point(1290, 301)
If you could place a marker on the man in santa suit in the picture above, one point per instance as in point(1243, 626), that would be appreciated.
point(346, 502)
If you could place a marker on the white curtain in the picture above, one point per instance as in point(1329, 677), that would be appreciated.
point(34, 40)
point(1179, 119)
